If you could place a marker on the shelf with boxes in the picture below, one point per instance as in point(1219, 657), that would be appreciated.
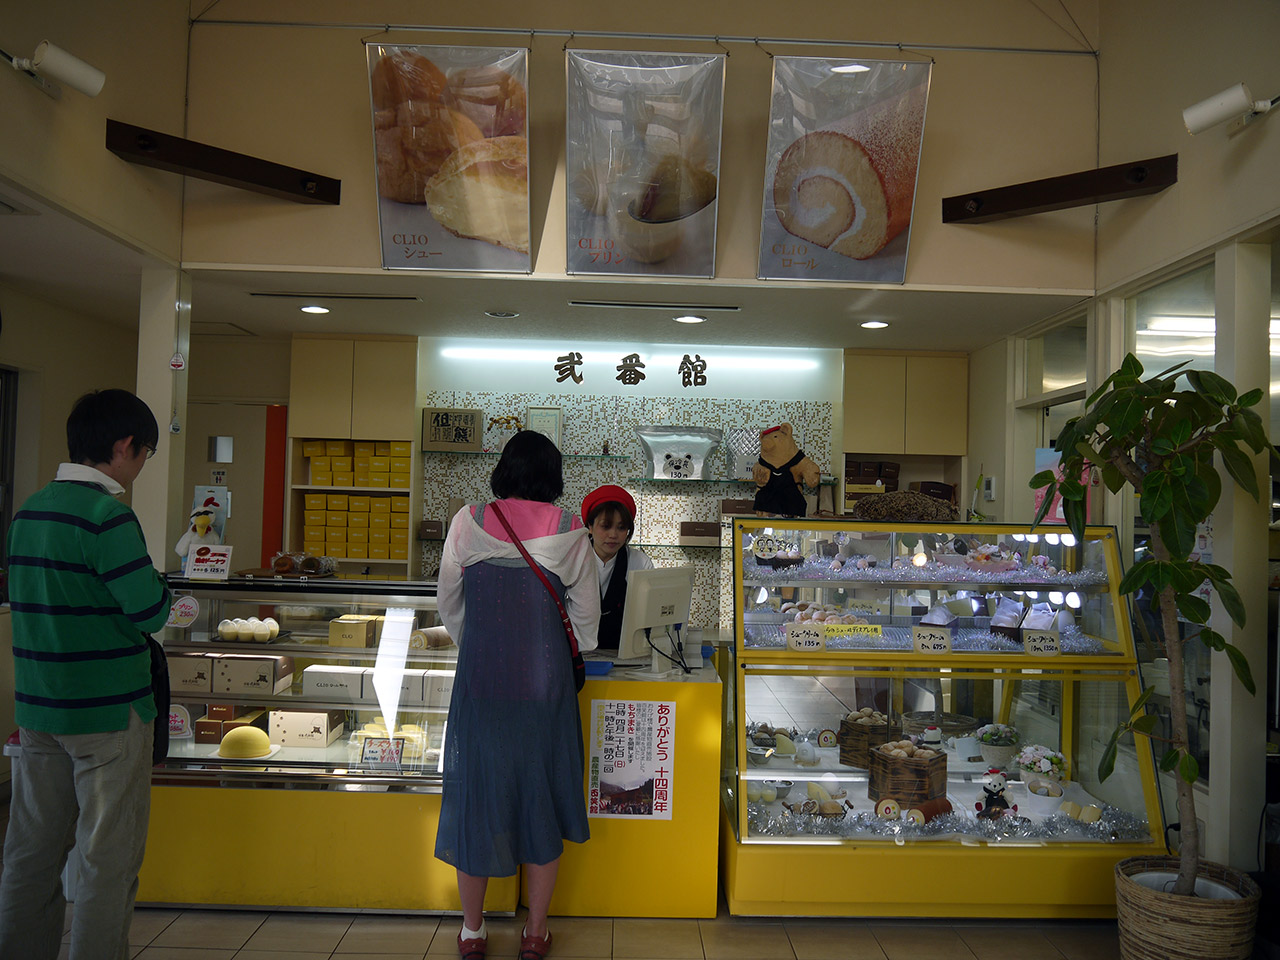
point(351, 500)
point(316, 692)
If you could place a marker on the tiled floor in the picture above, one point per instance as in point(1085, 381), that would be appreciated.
point(244, 935)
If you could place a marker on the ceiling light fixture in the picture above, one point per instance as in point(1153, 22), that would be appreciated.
point(873, 324)
point(690, 318)
point(313, 308)
point(501, 314)
point(851, 68)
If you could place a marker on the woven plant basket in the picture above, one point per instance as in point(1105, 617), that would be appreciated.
point(856, 739)
point(1161, 926)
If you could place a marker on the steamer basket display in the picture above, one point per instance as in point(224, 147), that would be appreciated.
point(857, 739)
point(906, 779)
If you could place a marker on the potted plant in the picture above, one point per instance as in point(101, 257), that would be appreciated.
point(997, 742)
point(1161, 440)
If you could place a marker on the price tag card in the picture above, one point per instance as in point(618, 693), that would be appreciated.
point(209, 562)
point(382, 751)
point(183, 612)
point(854, 630)
point(1041, 643)
point(806, 637)
point(930, 639)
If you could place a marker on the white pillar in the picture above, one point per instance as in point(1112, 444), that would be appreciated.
point(164, 328)
point(1237, 721)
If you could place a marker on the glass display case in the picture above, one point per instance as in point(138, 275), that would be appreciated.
point(933, 691)
point(347, 682)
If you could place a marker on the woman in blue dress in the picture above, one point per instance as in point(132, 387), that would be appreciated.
point(513, 760)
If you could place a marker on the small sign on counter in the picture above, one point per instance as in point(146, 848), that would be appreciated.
point(806, 637)
point(1041, 643)
point(931, 639)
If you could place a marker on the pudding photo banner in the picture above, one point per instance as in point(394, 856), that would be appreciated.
point(643, 162)
point(840, 168)
point(450, 140)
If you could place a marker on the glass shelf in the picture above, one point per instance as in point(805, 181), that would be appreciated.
point(683, 546)
point(687, 480)
point(498, 453)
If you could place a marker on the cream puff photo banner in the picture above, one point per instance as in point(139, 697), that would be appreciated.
point(450, 140)
point(840, 173)
point(643, 162)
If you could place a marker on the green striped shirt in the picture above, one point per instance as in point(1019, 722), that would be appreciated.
point(83, 595)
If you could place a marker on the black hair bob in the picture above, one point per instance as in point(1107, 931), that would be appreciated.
point(102, 417)
point(529, 469)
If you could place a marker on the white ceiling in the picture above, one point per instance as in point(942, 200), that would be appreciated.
point(56, 258)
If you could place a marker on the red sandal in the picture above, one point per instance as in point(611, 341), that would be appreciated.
point(534, 948)
point(472, 949)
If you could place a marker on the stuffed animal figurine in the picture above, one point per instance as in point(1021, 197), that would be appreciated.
point(201, 531)
point(994, 803)
point(778, 473)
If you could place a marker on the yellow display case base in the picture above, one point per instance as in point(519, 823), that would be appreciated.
point(313, 849)
point(926, 879)
point(638, 867)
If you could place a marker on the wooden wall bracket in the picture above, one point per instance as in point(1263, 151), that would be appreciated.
point(1057, 193)
point(150, 148)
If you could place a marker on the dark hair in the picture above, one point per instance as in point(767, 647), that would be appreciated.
point(102, 417)
point(613, 509)
point(528, 469)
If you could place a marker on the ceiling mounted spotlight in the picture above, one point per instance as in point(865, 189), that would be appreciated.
point(689, 318)
point(873, 324)
point(313, 308)
point(1234, 103)
point(501, 314)
point(54, 63)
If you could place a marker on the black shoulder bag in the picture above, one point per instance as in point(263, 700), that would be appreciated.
point(160, 691)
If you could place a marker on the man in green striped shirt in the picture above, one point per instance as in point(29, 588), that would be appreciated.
point(83, 597)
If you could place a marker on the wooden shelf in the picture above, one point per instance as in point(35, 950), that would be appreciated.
point(390, 491)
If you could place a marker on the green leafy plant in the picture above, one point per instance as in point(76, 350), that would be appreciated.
point(1161, 440)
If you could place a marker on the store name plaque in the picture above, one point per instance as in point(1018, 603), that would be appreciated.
point(806, 637)
point(1041, 643)
point(927, 639)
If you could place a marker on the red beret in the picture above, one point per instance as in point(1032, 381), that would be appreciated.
point(610, 492)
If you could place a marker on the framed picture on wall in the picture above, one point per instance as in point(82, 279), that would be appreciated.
point(547, 421)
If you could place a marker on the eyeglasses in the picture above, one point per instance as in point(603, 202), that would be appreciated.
point(151, 451)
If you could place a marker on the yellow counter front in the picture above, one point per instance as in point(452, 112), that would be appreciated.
point(350, 849)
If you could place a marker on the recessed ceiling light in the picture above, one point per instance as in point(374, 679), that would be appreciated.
point(873, 324)
point(690, 318)
point(501, 314)
point(312, 308)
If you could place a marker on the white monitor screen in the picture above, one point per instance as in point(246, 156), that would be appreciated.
point(656, 599)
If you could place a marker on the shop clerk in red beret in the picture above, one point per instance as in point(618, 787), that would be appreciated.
point(609, 513)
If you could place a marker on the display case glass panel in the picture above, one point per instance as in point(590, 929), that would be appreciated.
point(348, 683)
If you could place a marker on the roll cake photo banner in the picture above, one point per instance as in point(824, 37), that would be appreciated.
point(643, 162)
point(450, 139)
point(840, 174)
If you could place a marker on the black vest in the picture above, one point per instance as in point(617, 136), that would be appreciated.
point(615, 598)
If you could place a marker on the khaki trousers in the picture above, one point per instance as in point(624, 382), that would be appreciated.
point(91, 791)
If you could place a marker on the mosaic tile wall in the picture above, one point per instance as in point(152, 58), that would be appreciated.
point(589, 421)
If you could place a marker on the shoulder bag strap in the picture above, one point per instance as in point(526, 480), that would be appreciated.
point(564, 616)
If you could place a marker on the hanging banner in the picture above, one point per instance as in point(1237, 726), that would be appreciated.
point(840, 172)
point(451, 146)
point(643, 162)
point(631, 759)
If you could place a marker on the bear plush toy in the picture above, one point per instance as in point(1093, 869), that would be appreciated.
point(778, 473)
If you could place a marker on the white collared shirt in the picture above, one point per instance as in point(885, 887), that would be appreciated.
point(636, 560)
point(87, 474)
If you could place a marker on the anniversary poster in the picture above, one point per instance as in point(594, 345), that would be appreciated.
point(631, 759)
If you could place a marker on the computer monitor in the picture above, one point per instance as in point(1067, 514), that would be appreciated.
point(656, 599)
